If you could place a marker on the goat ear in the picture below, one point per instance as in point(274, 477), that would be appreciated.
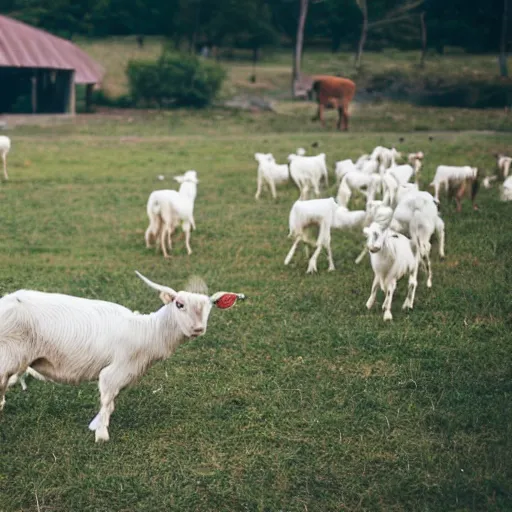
point(179, 179)
point(224, 300)
point(166, 298)
point(167, 294)
point(366, 231)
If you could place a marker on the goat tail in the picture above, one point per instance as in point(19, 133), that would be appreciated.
point(155, 208)
point(344, 193)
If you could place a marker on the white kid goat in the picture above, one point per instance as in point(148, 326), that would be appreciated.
point(303, 214)
point(167, 209)
point(71, 340)
point(392, 257)
point(270, 172)
point(5, 146)
point(308, 171)
point(368, 184)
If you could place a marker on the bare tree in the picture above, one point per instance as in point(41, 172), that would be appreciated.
point(400, 13)
point(503, 43)
point(299, 42)
point(364, 30)
point(423, 39)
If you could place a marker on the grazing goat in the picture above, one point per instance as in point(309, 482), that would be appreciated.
point(503, 162)
point(270, 172)
point(385, 156)
point(343, 167)
point(367, 184)
point(308, 171)
point(392, 257)
point(335, 91)
point(320, 212)
point(166, 209)
point(5, 146)
point(72, 340)
point(361, 161)
point(456, 180)
point(392, 178)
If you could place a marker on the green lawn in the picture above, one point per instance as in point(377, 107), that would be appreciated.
point(298, 399)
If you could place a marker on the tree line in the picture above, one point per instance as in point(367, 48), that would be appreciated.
point(253, 24)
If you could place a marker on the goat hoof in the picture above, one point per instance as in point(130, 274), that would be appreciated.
point(102, 435)
point(388, 316)
point(429, 284)
point(331, 269)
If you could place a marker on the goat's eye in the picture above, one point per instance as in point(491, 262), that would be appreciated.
point(180, 305)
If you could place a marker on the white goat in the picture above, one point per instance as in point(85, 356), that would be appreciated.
point(5, 146)
point(416, 160)
point(270, 172)
point(506, 190)
point(368, 184)
point(342, 167)
point(387, 157)
point(392, 178)
point(308, 171)
point(503, 163)
point(456, 177)
point(318, 212)
point(416, 215)
point(362, 160)
point(392, 257)
point(166, 209)
point(349, 219)
point(71, 339)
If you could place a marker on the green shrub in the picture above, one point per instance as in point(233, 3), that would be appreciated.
point(174, 80)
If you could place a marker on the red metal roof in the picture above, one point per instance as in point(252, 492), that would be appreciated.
point(24, 46)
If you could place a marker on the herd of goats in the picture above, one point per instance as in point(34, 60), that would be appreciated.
point(398, 226)
point(68, 339)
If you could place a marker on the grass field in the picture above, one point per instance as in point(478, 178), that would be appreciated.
point(296, 400)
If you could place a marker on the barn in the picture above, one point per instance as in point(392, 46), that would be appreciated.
point(39, 71)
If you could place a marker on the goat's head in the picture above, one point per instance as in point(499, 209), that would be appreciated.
point(189, 176)
point(191, 310)
point(374, 237)
point(263, 157)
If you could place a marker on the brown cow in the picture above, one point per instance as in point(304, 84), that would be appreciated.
point(335, 91)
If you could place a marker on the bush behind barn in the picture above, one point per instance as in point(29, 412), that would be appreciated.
point(174, 80)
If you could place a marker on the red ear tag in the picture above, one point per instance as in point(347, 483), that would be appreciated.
point(226, 301)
